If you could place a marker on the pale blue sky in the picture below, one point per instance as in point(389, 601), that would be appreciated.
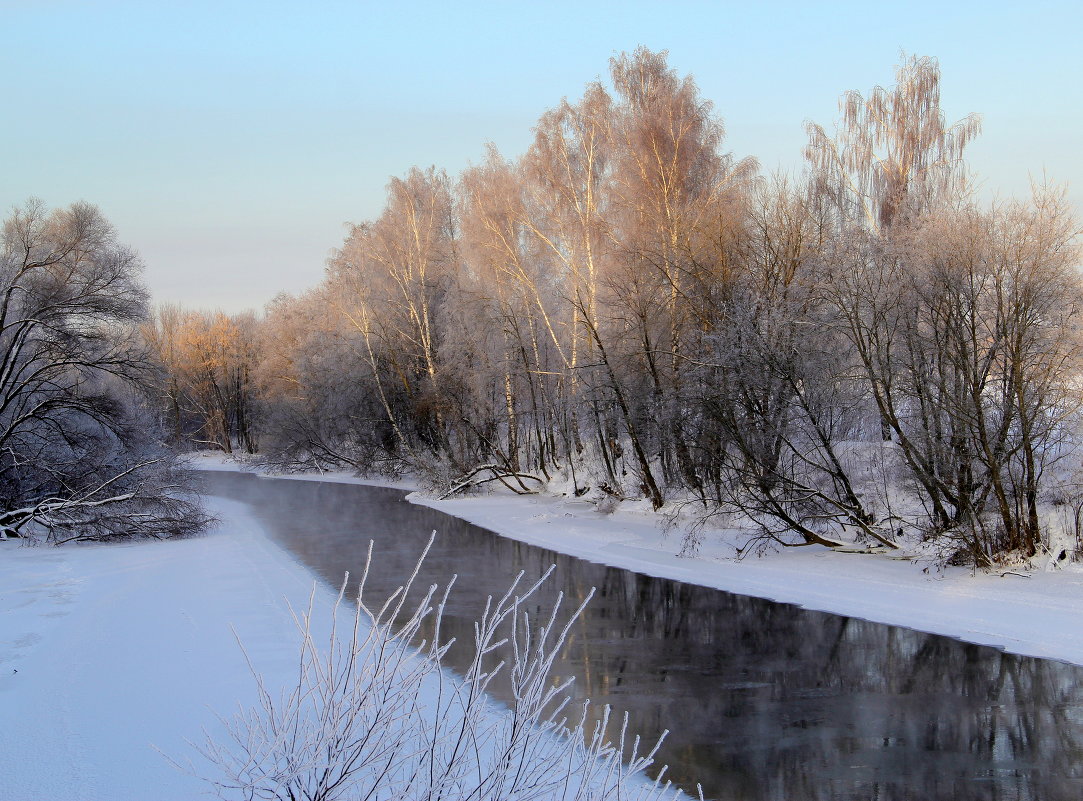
point(229, 142)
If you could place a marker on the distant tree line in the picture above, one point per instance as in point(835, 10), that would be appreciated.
point(630, 311)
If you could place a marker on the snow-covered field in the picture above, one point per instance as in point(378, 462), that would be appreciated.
point(1036, 614)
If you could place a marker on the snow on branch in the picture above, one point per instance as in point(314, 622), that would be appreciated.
point(374, 714)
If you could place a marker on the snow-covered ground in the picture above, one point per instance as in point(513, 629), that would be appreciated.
point(1038, 614)
point(116, 661)
point(110, 651)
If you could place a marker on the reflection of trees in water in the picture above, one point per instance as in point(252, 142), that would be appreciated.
point(766, 700)
point(848, 700)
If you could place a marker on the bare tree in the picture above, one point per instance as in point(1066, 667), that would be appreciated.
point(566, 174)
point(501, 320)
point(389, 281)
point(627, 305)
point(80, 454)
point(319, 405)
point(956, 315)
point(967, 340)
point(893, 156)
point(785, 397)
point(678, 207)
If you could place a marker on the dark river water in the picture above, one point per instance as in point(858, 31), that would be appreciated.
point(763, 700)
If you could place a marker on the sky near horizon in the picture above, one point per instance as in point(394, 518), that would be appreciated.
point(230, 143)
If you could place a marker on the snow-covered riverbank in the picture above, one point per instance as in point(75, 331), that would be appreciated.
point(116, 659)
point(110, 651)
point(1038, 614)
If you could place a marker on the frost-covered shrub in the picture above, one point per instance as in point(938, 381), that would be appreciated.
point(374, 714)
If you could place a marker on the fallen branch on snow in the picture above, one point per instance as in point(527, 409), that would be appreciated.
point(500, 474)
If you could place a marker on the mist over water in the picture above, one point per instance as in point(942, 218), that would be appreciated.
point(763, 700)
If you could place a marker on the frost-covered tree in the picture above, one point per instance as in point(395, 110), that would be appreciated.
point(784, 399)
point(964, 330)
point(958, 315)
point(208, 388)
point(630, 308)
point(677, 208)
point(320, 409)
point(80, 454)
point(893, 156)
point(388, 283)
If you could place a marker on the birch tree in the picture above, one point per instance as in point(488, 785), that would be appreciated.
point(678, 208)
point(507, 297)
point(894, 156)
point(568, 178)
point(390, 280)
